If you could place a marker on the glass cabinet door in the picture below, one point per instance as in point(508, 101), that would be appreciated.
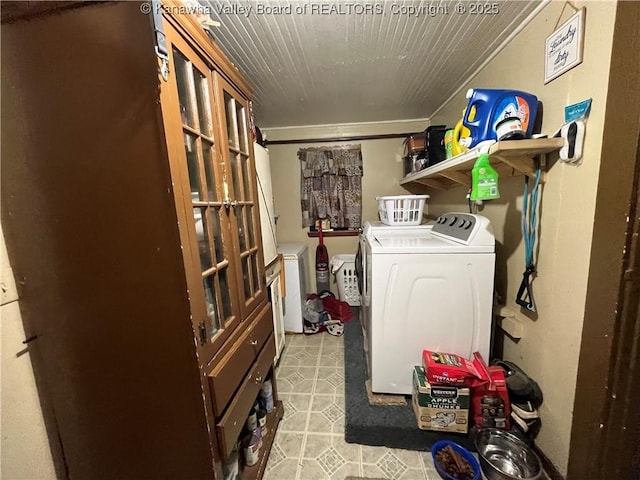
point(211, 266)
point(241, 187)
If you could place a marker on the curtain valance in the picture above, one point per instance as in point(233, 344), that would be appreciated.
point(316, 162)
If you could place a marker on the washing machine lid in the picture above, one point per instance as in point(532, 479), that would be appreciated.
point(399, 244)
point(460, 233)
point(292, 250)
point(370, 228)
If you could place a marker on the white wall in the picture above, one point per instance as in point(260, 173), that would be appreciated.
point(550, 347)
point(383, 169)
point(24, 448)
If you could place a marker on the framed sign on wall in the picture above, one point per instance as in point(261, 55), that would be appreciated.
point(564, 47)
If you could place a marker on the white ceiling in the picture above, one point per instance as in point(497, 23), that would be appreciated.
point(327, 68)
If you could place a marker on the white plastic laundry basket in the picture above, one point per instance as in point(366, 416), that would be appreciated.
point(344, 268)
point(401, 209)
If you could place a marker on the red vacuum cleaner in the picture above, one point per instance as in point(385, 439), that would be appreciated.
point(322, 266)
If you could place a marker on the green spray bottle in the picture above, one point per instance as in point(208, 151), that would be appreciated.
point(484, 180)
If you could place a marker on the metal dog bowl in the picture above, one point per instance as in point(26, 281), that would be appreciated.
point(504, 456)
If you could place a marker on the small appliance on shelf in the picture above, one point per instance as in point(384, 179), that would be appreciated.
point(414, 153)
point(435, 150)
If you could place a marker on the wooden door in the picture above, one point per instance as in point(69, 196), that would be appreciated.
point(203, 206)
point(241, 191)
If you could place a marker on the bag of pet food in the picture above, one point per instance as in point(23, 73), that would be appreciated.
point(450, 369)
point(490, 400)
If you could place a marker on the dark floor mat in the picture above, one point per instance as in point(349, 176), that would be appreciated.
point(393, 426)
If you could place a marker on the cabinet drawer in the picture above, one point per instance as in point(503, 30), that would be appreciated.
point(234, 419)
point(226, 376)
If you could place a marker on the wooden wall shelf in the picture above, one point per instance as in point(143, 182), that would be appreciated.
point(511, 157)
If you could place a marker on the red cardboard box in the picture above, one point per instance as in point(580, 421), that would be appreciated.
point(490, 400)
point(450, 369)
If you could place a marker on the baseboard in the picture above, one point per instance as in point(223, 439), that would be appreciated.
point(549, 468)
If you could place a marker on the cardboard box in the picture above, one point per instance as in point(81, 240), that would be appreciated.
point(326, 224)
point(439, 408)
point(451, 369)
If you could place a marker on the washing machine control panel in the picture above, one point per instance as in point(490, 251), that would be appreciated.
point(459, 226)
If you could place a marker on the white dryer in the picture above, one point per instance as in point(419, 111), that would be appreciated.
point(425, 287)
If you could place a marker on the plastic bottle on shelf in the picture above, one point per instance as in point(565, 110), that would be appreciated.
point(460, 135)
point(251, 444)
point(488, 107)
point(262, 422)
point(252, 419)
point(266, 395)
point(484, 180)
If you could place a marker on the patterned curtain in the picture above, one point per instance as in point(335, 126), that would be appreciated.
point(331, 186)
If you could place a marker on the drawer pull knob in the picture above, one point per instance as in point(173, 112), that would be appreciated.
point(259, 379)
point(254, 342)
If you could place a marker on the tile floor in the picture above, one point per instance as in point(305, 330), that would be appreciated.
point(310, 442)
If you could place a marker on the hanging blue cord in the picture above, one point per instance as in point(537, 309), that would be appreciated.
point(529, 218)
point(524, 297)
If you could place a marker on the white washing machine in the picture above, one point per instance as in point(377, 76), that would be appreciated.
point(425, 287)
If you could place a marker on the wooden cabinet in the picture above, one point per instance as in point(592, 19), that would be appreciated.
point(130, 212)
point(212, 159)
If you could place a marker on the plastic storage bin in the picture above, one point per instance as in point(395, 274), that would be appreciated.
point(401, 209)
point(344, 268)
